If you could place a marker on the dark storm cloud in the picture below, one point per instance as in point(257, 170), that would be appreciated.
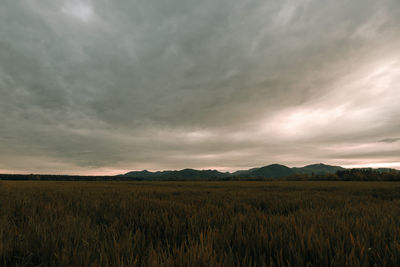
point(390, 140)
point(147, 84)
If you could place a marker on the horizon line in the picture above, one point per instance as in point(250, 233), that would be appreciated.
point(110, 173)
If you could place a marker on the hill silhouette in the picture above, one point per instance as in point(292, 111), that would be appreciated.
point(318, 172)
point(319, 168)
point(178, 174)
point(269, 171)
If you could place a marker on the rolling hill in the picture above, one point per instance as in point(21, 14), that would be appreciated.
point(269, 171)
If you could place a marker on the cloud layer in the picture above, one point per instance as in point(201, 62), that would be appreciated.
point(104, 86)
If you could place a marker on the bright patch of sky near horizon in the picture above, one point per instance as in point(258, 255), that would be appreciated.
point(92, 87)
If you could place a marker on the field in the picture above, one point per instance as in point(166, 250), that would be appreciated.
point(199, 223)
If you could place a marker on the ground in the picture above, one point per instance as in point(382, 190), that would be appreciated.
point(199, 223)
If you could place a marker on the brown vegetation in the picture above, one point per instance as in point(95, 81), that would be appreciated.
point(199, 223)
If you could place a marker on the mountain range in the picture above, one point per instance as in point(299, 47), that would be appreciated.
point(269, 171)
point(309, 172)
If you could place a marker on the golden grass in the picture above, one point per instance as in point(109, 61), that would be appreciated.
point(199, 223)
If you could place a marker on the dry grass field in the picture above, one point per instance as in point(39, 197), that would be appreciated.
point(199, 223)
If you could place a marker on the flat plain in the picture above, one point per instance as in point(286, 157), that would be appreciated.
point(49, 223)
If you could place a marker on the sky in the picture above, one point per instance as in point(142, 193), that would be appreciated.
point(109, 86)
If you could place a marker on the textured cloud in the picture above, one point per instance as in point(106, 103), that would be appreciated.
point(92, 86)
point(390, 140)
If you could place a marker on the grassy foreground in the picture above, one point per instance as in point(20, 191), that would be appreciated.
point(199, 223)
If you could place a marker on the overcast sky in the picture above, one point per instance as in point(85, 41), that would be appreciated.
point(107, 86)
